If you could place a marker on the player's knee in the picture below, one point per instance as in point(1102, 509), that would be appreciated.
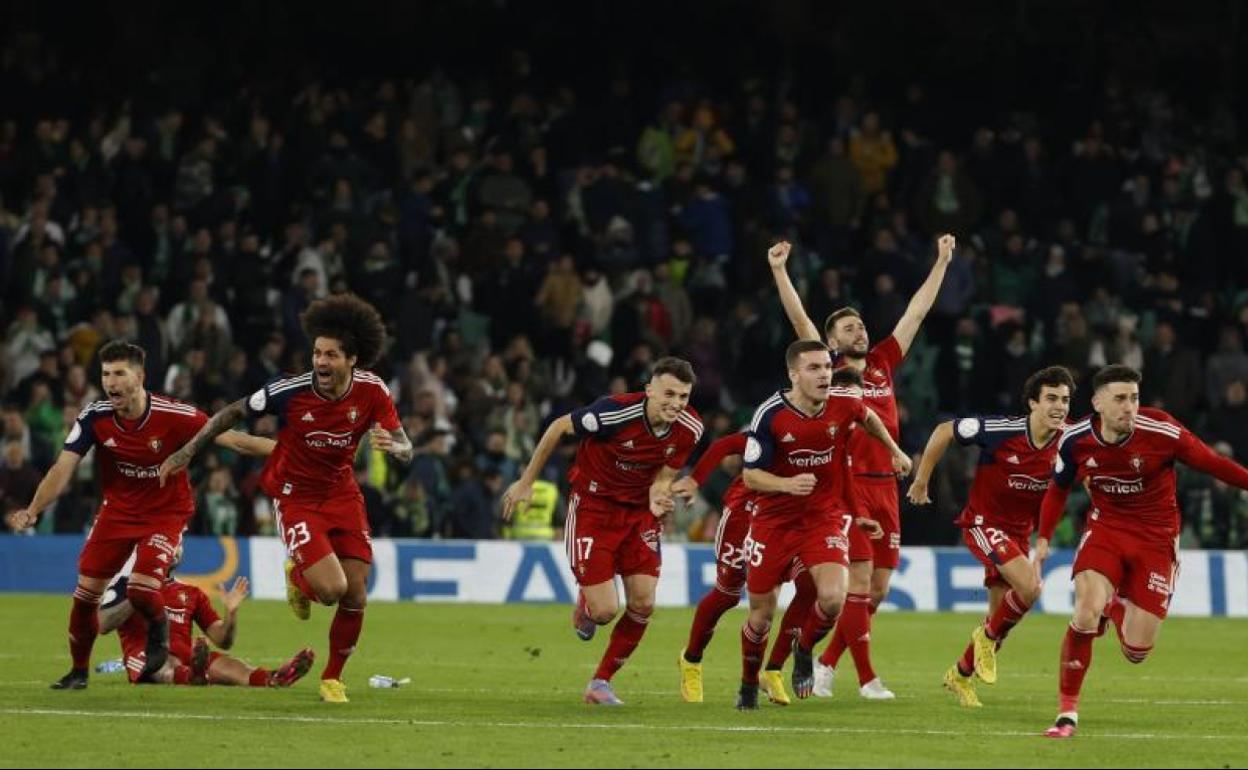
point(878, 595)
point(1085, 618)
point(331, 592)
point(603, 615)
point(1029, 593)
point(831, 605)
point(642, 607)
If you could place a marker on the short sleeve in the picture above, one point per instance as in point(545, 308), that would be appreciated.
point(1065, 466)
point(969, 430)
point(889, 353)
point(81, 436)
point(205, 613)
point(262, 402)
point(387, 415)
point(603, 416)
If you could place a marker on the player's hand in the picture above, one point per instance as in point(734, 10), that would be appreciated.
point(20, 520)
point(918, 493)
point(661, 502)
point(944, 247)
point(870, 526)
point(234, 597)
point(685, 488)
point(802, 484)
point(518, 493)
point(778, 255)
point(902, 464)
point(380, 438)
point(174, 463)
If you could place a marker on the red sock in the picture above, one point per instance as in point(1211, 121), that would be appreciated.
point(753, 646)
point(855, 625)
point(148, 601)
point(1008, 614)
point(301, 582)
point(344, 632)
point(1075, 661)
point(258, 678)
point(84, 626)
point(966, 664)
point(837, 647)
point(182, 675)
point(624, 639)
point(712, 607)
point(818, 624)
point(794, 617)
point(1135, 654)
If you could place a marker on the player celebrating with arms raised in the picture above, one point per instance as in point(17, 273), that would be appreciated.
point(631, 448)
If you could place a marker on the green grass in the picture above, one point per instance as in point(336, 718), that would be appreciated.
point(499, 686)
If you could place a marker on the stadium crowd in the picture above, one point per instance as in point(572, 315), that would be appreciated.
point(533, 245)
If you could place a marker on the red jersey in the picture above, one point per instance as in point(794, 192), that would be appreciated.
point(128, 454)
point(1012, 476)
point(737, 496)
point(785, 441)
point(1132, 483)
point(620, 453)
point(317, 437)
point(872, 459)
point(184, 604)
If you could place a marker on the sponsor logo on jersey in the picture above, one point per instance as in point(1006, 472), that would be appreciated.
point(1020, 482)
point(132, 471)
point(877, 391)
point(1116, 486)
point(321, 439)
point(810, 458)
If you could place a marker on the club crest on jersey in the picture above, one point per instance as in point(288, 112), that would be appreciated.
point(353, 414)
point(878, 372)
point(182, 597)
point(669, 450)
point(1137, 462)
point(155, 444)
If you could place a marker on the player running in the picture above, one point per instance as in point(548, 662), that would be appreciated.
point(132, 432)
point(871, 562)
point(796, 465)
point(1127, 562)
point(1015, 468)
point(631, 448)
point(318, 505)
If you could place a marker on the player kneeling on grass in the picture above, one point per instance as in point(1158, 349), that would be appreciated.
point(192, 663)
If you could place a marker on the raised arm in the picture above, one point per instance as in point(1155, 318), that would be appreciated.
point(778, 257)
point(222, 632)
point(522, 489)
point(923, 299)
point(220, 423)
point(936, 447)
point(50, 488)
point(876, 428)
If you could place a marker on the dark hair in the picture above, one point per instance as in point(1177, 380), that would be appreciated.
point(1051, 376)
point(846, 376)
point(1115, 373)
point(795, 351)
point(353, 322)
point(836, 315)
point(677, 367)
point(120, 350)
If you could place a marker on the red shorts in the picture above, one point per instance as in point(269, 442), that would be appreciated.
point(313, 530)
point(108, 547)
point(881, 501)
point(134, 663)
point(1144, 569)
point(778, 550)
point(994, 547)
point(730, 556)
point(604, 539)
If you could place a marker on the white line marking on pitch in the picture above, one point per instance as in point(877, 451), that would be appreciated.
point(590, 725)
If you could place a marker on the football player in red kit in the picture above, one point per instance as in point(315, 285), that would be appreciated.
point(631, 448)
point(1127, 562)
point(317, 503)
point(132, 432)
point(190, 662)
point(872, 562)
point(795, 456)
point(1015, 469)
